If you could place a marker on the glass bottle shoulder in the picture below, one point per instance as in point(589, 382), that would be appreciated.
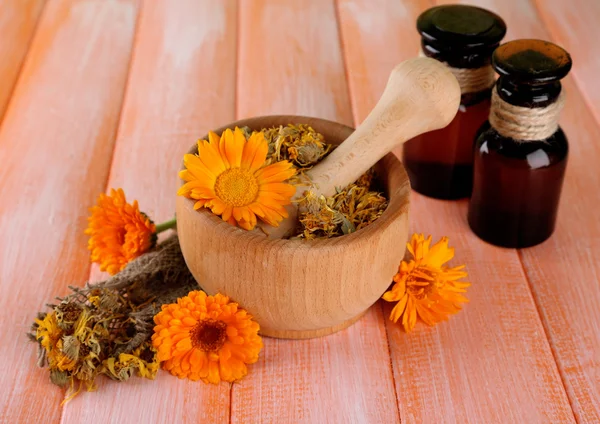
point(490, 145)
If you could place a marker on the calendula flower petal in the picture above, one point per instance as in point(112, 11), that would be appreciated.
point(255, 152)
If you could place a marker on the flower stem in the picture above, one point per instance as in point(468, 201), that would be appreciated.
point(167, 225)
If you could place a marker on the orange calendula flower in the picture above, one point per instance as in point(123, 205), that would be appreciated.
point(118, 232)
point(228, 176)
point(206, 338)
point(424, 286)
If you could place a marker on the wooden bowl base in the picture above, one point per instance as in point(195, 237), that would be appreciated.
point(308, 334)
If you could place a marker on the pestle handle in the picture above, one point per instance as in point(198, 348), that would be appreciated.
point(421, 95)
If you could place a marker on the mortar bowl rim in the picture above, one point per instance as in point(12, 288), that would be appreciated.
point(399, 200)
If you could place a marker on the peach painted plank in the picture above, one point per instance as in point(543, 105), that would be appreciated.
point(574, 25)
point(370, 63)
point(296, 61)
point(290, 62)
point(55, 147)
point(181, 84)
point(564, 272)
point(491, 363)
point(18, 20)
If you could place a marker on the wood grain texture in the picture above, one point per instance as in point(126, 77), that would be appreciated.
point(574, 26)
point(492, 362)
point(181, 84)
point(564, 272)
point(296, 67)
point(55, 147)
point(301, 57)
point(18, 20)
point(299, 289)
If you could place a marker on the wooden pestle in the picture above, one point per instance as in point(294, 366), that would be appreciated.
point(421, 95)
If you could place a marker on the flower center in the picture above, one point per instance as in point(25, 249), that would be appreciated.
point(236, 187)
point(209, 335)
point(420, 287)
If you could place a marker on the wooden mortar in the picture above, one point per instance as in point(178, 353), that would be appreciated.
point(300, 289)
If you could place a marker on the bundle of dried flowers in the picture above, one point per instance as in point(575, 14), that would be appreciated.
point(105, 328)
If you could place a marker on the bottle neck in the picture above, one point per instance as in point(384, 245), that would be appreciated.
point(475, 80)
point(526, 113)
point(459, 56)
point(529, 96)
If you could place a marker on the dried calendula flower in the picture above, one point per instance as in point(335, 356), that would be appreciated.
point(424, 287)
point(349, 210)
point(47, 332)
point(142, 361)
point(298, 143)
point(106, 328)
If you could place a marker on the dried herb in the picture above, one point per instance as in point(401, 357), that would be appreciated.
point(352, 208)
point(349, 210)
point(105, 328)
point(297, 143)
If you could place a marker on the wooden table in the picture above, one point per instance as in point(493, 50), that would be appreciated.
point(100, 93)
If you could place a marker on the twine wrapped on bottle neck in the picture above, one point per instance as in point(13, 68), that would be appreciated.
point(523, 123)
point(471, 80)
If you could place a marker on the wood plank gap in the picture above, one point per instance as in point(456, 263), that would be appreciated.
point(236, 114)
point(556, 39)
point(473, 368)
point(16, 82)
point(172, 99)
point(356, 119)
point(536, 301)
point(112, 153)
point(71, 81)
point(547, 334)
point(338, 24)
point(238, 43)
point(344, 376)
point(136, 34)
point(391, 362)
point(231, 395)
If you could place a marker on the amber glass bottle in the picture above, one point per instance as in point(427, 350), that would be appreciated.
point(521, 152)
point(439, 163)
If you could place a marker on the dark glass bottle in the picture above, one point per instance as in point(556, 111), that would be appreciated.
point(439, 163)
point(520, 158)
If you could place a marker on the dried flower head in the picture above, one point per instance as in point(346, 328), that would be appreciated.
point(349, 210)
point(143, 361)
point(298, 143)
point(229, 176)
point(206, 338)
point(424, 286)
point(118, 232)
point(47, 331)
